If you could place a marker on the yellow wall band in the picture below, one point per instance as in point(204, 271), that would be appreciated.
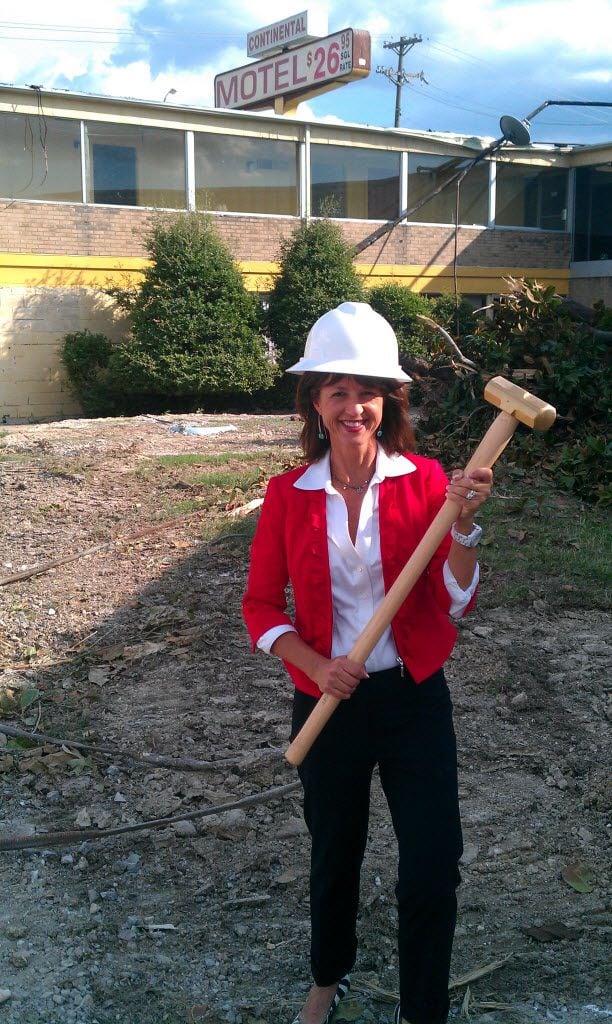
point(53, 271)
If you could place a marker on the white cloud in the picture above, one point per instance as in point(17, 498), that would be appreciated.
point(306, 112)
point(596, 75)
point(136, 80)
point(193, 88)
point(484, 28)
point(375, 23)
point(69, 39)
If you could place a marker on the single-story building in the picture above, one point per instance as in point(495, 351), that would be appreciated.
point(80, 176)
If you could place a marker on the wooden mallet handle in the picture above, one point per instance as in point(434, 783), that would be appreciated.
point(518, 406)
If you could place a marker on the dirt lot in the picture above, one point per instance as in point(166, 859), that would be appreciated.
point(140, 647)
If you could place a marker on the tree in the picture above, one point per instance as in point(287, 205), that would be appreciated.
point(196, 330)
point(316, 274)
point(400, 307)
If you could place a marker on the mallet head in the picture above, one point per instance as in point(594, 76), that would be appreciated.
point(525, 407)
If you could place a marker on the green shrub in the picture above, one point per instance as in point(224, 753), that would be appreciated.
point(399, 306)
point(316, 274)
point(534, 338)
point(603, 316)
point(533, 330)
point(196, 330)
point(86, 357)
point(583, 466)
point(458, 319)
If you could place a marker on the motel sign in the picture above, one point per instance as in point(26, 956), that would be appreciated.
point(305, 71)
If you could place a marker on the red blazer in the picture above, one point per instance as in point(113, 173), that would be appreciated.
point(290, 545)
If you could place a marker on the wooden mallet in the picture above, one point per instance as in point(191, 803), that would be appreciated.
point(518, 406)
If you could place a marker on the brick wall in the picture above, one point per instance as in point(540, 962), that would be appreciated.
point(33, 322)
point(105, 231)
point(33, 319)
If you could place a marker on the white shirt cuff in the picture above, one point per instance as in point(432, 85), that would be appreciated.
point(268, 638)
point(459, 598)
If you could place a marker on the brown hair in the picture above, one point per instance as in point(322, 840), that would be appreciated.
point(397, 432)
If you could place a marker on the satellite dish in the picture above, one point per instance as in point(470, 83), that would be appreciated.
point(514, 131)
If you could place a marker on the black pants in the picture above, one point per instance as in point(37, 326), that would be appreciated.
point(408, 731)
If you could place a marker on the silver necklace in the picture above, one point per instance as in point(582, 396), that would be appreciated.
point(353, 487)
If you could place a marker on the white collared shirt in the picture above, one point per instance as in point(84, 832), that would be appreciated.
point(356, 569)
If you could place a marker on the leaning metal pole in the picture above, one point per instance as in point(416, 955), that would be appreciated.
point(460, 174)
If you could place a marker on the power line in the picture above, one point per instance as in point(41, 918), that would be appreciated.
point(91, 33)
point(452, 99)
point(464, 55)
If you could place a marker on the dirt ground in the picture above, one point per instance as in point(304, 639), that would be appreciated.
point(140, 647)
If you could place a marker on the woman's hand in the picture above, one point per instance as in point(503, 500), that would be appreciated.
point(339, 677)
point(469, 492)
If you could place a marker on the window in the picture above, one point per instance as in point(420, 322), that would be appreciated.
point(114, 174)
point(245, 175)
point(593, 217)
point(40, 158)
point(427, 173)
point(358, 183)
point(133, 166)
point(531, 197)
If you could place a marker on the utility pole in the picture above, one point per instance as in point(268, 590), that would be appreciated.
point(400, 77)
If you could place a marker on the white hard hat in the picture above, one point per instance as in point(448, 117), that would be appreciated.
point(354, 340)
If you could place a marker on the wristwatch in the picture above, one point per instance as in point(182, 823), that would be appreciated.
point(467, 540)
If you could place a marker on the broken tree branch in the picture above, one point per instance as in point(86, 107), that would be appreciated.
point(36, 570)
point(49, 839)
point(363, 984)
point(585, 315)
point(451, 344)
point(147, 531)
point(479, 972)
point(189, 764)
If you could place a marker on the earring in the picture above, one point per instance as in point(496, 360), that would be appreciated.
point(379, 432)
point(322, 434)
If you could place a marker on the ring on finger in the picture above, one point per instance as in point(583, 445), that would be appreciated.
point(470, 494)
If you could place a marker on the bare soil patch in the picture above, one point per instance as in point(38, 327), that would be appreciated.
point(140, 646)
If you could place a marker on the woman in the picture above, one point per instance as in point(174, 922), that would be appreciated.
point(340, 529)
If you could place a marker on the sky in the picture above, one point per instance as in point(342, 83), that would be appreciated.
point(479, 58)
